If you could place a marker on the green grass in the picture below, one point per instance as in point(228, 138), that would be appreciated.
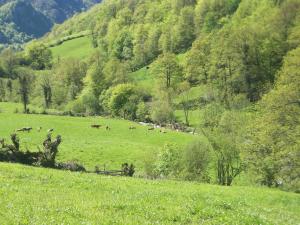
point(90, 146)
point(43, 196)
point(195, 117)
point(143, 78)
point(76, 48)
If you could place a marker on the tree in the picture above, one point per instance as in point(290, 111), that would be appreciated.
point(2, 90)
point(162, 110)
point(197, 159)
point(68, 80)
point(9, 61)
point(185, 30)
point(123, 46)
point(225, 139)
point(116, 72)
point(140, 54)
point(25, 80)
point(124, 101)
point(167, 69)
point(39, 56)
point(46, 86)
point(274, 145)
point(198, 61)
point(185, 101)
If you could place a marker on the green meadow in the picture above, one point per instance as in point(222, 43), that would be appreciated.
point(42, 196)
point(87, 145)
point(77, 48)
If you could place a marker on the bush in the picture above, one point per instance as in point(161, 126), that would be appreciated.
point(124, 100)
point(142, 112)
point(197, 157)
point(162, 112)
point(167, 164)
point(72, 166)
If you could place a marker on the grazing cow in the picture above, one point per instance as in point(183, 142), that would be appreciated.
point(107, 128)
point(28, 129)
point(132, 128)
point(95, 126)
point(163, 131)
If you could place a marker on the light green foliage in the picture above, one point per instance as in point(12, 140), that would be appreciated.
point(197, 160)
point(68, 80)
point(167, 70)
point(124, 101)
point(197, 63)
point(9, 60)
point(167, 162)
point(275, 137)
point(116, 72)
point(39, 56)
point(26, 82)
point(162, 108)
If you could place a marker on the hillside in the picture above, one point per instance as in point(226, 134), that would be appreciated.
point(21, 21)
point(42, 196)
point(226, 70)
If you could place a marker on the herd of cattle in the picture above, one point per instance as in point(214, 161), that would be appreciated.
point(151, 127)
point(28, 129)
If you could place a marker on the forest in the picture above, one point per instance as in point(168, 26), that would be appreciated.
point(237, 62)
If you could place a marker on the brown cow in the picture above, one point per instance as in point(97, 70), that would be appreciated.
point(95, 126)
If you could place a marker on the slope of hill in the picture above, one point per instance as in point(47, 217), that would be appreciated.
point(89, 146)
point(21, 20)
point(43, 196)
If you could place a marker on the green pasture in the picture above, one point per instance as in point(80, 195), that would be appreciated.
point(87, 145)
point(43, 196)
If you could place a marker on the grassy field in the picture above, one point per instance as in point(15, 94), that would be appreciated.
point(76, 48)
point(90, 146)
point(43, 196)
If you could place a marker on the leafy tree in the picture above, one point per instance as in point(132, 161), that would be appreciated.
point(124, 100)
point(25, 80)
point(46, 86)
point(274, 142)
point(225, 141)
point(167, 69)
point(162, 109)
point(198, 61)
point(185, 30)
point(123, 46)
point(116, 72)
point(8, 61)
point(197, 159)
point(140, 49)
point(185, 101)
point(39, 56)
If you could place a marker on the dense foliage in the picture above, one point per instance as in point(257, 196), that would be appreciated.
point(242, 54)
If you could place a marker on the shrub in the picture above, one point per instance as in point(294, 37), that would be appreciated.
point(167, 163)
point(197, 157)
point(72, 166)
